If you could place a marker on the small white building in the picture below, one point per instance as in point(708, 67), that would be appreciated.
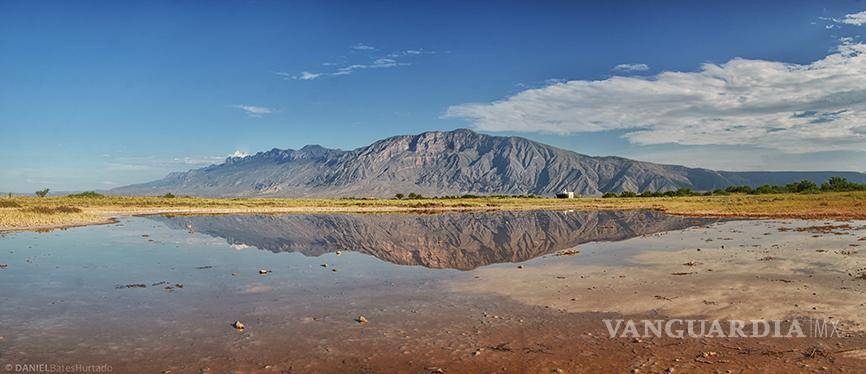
point(565, 194)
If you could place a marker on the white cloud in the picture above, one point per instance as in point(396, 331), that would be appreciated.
point(363, 47)
point(819, 106)
point(631, 67)
point(254, 111)
point(337, 69)
point(306, 75)
point(238, 154)
point(380, 63)
point(856, 19)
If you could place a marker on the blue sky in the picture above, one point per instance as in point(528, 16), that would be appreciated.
point(94, 95)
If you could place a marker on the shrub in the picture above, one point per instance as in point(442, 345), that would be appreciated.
point(839, 184)
point(765, 189)
point(399, 196)
point(168, 196)
point(801, 186)
point(608, 195)
point(86, 194)
point(739, 189)
point(414, 196)
point(42, 193)
point(627, 194)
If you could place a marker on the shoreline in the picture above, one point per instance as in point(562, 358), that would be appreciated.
point(24, 215)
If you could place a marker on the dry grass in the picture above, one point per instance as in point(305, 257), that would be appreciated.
point(43, 217)
point(33, 212)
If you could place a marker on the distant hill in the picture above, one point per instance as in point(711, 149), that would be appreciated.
point(440, 163)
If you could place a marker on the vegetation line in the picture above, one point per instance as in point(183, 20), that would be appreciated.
point(25, 213)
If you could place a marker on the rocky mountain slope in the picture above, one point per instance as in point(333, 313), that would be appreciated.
point(446, 163)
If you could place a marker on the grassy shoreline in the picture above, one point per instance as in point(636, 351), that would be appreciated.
point(34, 213)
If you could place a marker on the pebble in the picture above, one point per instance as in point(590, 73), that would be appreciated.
point(238, 325)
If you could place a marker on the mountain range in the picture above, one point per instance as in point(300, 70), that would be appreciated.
point(439, 163)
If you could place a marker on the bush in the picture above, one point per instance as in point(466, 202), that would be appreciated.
point(608, 195)
point(627, 194)
point(803, 185)
point(42, 193)
point(399, 196)
point(767, 189)
point(414, 196)
point(86, 194)
point(839, 184)
point(739, 189)
point(168, 196)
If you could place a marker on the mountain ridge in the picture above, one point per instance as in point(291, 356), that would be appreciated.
point(437, 163)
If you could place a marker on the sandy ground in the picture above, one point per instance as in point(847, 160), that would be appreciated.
point(743, 270)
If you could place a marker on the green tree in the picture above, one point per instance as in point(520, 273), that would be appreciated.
point(399, 196)
point(42, 193)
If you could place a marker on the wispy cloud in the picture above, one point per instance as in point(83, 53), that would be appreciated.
point(819, 106)
point(369, 61)
point(306, 75)
point(631, 67)
point(856, 19)
point(253, 111)
point(363, 47)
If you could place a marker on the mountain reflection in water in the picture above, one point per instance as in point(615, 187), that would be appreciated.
point(462, 241)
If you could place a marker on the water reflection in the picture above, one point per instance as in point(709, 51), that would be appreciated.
point(461, 241)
